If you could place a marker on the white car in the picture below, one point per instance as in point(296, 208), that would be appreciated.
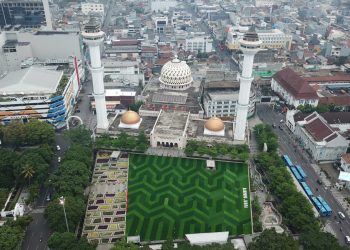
point(58, 147)
point(347, 239)
point(341, 215)
point(59, 159)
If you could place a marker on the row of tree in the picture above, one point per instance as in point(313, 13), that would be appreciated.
point(235, 152)
point(322, 108)
point(70, 181)
point(264, 134)
point(33, 132)
point(295, 208)
point(124, 142)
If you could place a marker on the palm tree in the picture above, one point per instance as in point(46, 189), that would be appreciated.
point(28, 172)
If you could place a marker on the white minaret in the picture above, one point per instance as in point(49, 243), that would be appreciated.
point(250, 45)
point(93, 37)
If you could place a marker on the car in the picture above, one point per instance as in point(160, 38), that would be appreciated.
point(341, 215)
point(78, 110)
point(347, 239)
point(319, 182)
point(59, 159)
point(274, 125)
point(48, 197)
point(281, 121)
point(58, 147)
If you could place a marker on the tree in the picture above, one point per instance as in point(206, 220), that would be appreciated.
point(27, 172)
point(79, 153)
point(71, 178)
point(270, 240)
point(136, 106)
point(10, 237)
point(168, 245)
point(75, 209)
point(7, 160)
point(316, 240)
point(123, 245)
point(79, 135)
point(36, 162)
point(15, 134)
point(38, 132)
point(64, 241)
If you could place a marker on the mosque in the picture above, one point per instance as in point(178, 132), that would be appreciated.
point(172, 112)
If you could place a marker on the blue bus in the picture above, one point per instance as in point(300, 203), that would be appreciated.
point(318, 205)
point(287, 160)
point(306, 189)
point(296, 174)
point(325, 205)
point(301, 172)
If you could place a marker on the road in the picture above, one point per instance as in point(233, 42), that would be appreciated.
point(39, 228)
point(298, 156)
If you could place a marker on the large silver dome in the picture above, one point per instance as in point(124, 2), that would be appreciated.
point(176, 74)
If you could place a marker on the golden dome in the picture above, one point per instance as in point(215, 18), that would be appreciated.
point(130, 117)
point(214, 124)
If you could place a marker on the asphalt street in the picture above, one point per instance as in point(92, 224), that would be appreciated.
point(38, 228)
point(288, 145)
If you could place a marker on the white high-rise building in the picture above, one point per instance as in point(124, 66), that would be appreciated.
point(250, 45)
point(93, 37)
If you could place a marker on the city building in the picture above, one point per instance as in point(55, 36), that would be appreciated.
point(48, 94)
point(345, 162)
point(220, 99)
point(264, 3)
point(24, 48)
point(250, 45)
point(87, 8)
point(198, 42)
point(124, 49)
point(93, 37)
point(319, 139)
point(161, 5)
point(293, 89)
point(26, 13)
point(122, 73)
point(161, 23)
point(271, 39)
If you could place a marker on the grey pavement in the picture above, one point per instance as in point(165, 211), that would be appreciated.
point(288, 145)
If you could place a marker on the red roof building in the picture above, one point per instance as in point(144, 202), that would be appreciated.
point(293, 89)
point(319, 139)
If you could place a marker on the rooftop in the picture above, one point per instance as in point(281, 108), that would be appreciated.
point(171, 123)
point(318, 129)
point(328, 79)
point(346, 158)
point(294, 84)
point(33, 80)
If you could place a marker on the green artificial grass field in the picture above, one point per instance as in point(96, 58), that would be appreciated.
point(169, 197)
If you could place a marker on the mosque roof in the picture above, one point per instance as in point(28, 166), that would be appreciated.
point(130, 117)
point(176, 73)
point(214, 124)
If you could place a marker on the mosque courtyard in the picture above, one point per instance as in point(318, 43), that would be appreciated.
point(169, 197)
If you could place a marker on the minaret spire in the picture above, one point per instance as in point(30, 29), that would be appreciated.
point(250, 45)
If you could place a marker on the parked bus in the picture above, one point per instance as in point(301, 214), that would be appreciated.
point(301, 172)
point(320, 208)
point(306, 189)
point(287, 160)
point(296, 174)
point(325, 205)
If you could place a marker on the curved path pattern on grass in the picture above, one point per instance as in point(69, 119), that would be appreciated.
point(169, 197)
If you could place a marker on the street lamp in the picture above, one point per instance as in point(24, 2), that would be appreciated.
point(62, 200)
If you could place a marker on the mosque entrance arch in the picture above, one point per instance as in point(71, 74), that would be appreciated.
point(73, 116)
